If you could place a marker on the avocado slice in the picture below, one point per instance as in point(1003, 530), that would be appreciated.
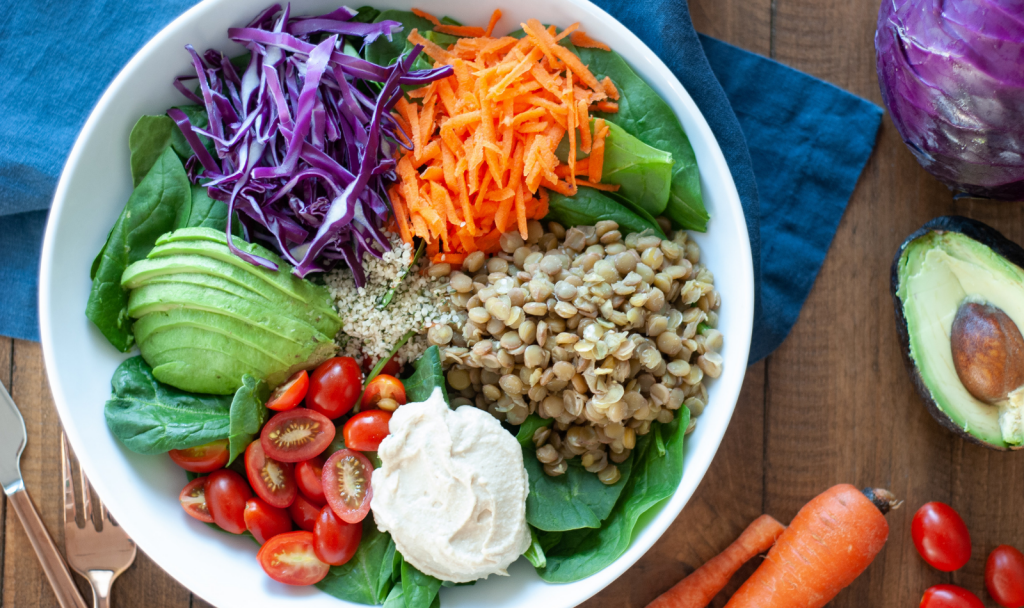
point(213, 244)
point(165, 270)
point(940, 271)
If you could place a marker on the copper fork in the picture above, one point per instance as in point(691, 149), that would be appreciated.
point(99, 553)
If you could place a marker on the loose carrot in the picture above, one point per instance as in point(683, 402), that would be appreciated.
point(495, 16)
point(460, 30)
point(699, 588)
point(427, 16)
point(830, 542)
point(581, 40)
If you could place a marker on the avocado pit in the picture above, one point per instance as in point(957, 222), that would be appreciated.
point(988, 351)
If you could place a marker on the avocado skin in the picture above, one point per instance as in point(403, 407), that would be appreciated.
point(988, 236)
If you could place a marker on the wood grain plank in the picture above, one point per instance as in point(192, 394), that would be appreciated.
point(746, 24)
point(726, 501)
point(841, 407)
point(144, 584)
point(6, 367)
point(25, 583)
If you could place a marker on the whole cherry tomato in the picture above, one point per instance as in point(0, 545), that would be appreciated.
point(941, 537)
point(384, 392)
point(264, 521)
point(1004, 576)
point(304, 513)
point(289, 394)
point(204, 458)
point(365, 430)
point(308, 476)
point(949, 596)
point(335, 386)
point(335, 541)
point(226, 493)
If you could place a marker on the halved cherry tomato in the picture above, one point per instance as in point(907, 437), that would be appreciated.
point(204, 458)
point(289, 394)
point(226, 493)
point(193, 500)
point(289, 558)
point(264, 521)
point(949, 596)
point(1004, 576)
point(335, 386)
point(304, 513)
point(941, 537)
point(346, 481)
point(296, 435)
point(366, 430)
point(384, 387)
point(308, 476)
point(335, 541)
point(273, 481)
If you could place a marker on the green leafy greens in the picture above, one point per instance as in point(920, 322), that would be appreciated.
point(150, 417)
point(427, 376)
point(369, 575)
point(588, 206)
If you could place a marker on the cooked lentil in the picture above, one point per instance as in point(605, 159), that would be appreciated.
point(596, 331)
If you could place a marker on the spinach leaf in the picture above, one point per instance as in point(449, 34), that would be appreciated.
point(588, 206)
point(161, 203)
point(150, 136)
point(390, 569)
point(207, 212)
point(149, 417)
point(427, 376)
point(395, 599)
point(365, 14)
point(646, 116)
point(419, 590)
point(572, 501)
point(383, 51)
point(643, 173)
point(535, 554)
point(360, 579)
point(248, 414)
point(578, 554)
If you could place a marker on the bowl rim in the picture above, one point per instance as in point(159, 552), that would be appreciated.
point(661, 516)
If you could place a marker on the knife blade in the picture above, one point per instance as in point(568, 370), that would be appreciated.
point(12, 443)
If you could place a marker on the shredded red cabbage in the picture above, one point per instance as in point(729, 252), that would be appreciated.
point(305, 149)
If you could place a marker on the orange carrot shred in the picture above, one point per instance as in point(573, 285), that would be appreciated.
point(581, 40)
point(610, 88)
point(431, 49)
point(607, 106)
point(569, 30)
point(427, 16)
point(596, 165)
point(584, 118)
point(432, 174)
point(495, 16)
point(460, 30)
point(596, 186)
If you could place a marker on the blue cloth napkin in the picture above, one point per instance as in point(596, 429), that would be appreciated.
point(795, 145)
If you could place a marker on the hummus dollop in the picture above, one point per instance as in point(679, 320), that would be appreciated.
point(451, 490)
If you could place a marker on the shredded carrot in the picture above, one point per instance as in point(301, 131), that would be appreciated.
point(427, 16)
point(581, 40)
point(607, 106)
point(460, 30)
point(495, 16)
point(483, 140)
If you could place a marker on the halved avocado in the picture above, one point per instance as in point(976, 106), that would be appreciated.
point(956, 269)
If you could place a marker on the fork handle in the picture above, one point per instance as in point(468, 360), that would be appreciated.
point(53, 564)
point(101, 581)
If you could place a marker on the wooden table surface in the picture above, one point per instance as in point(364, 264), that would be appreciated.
point(832, 405)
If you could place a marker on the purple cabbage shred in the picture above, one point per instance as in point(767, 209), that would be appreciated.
point(304, 152)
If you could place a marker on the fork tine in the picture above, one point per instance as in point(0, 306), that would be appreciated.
point(69, 486)
point(86, 497)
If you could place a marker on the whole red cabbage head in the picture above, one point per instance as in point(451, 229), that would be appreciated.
point(952, 77)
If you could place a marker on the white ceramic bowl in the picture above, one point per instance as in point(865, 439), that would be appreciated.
point(141, 491)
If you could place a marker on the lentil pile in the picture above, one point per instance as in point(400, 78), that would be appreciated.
point(419, 301)
point(605, 334)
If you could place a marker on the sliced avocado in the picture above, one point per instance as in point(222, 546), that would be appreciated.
point(212, 372)
point(213, 244)
point(251, 335)
point(940, 271)
point(234, 285)
point(160, 297)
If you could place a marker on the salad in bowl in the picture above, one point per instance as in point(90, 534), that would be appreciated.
point(413, 304)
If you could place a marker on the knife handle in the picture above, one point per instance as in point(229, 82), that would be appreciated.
point(53, 564)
